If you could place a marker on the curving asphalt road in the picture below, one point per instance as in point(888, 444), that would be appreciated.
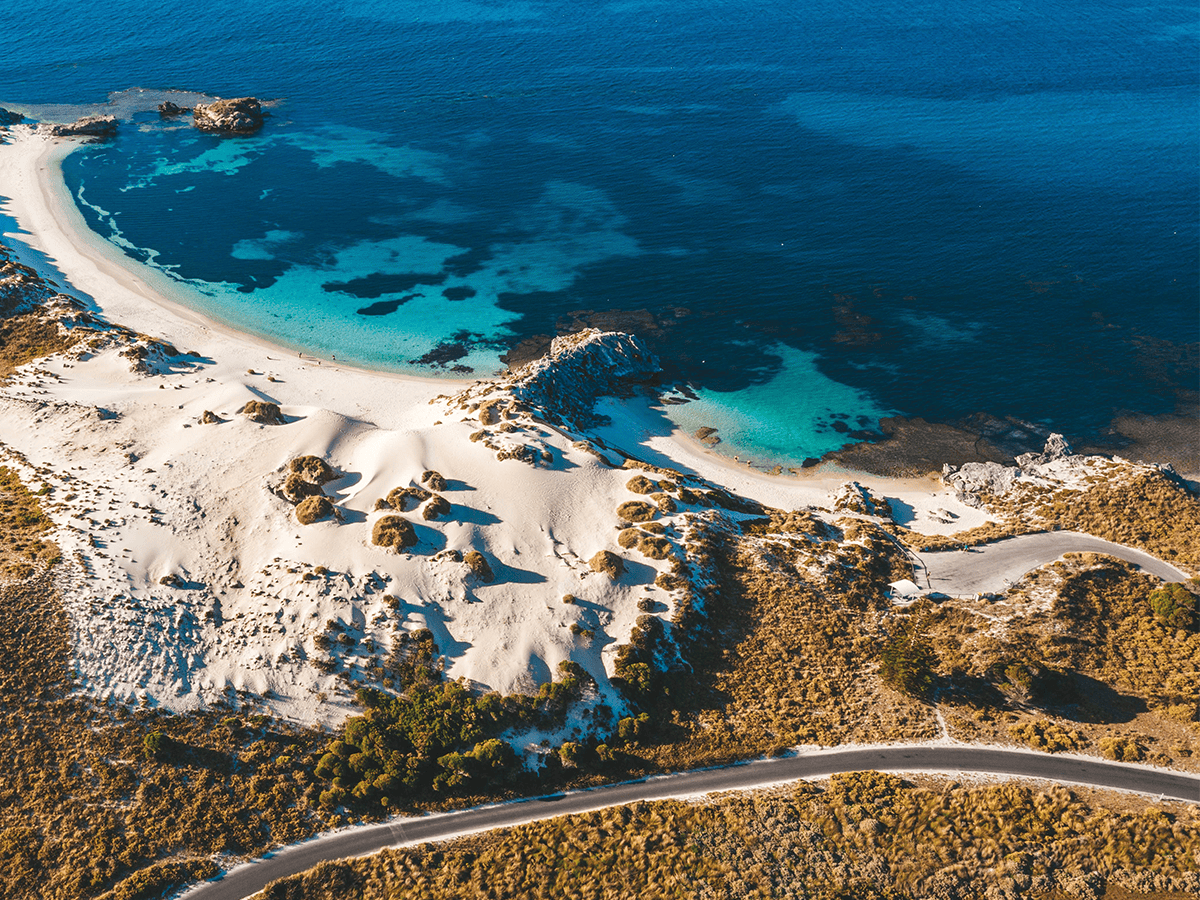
point(990, 568)
point(250, 878)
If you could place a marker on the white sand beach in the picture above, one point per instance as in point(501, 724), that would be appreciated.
point(142, 490)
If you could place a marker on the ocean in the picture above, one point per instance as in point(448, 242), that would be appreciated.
point(819, 214)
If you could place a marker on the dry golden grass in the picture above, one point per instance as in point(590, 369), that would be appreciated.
point(83, 809)
point(26, 337)
point(865, 836)
point(1110, 672)
point(24, 548)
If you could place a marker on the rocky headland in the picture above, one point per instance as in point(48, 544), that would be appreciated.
point(99, 127)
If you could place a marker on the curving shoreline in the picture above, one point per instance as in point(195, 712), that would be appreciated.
point(138, 296)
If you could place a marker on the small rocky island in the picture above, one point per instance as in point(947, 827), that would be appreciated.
point(242, 115)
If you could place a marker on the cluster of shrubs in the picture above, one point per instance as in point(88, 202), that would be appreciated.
point(906, 663)
point(435, 735)
point(1175, 606)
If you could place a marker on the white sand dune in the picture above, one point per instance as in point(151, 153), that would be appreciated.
point(143, 490)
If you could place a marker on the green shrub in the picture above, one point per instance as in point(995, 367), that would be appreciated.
point(158, 745)
point(906, 664)
point(1175, 606)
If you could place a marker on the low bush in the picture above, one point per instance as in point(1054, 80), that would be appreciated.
point(1123, 748)
point(636, 511)
point(1041, 734)
point(640, 484)
point(314, 509)
point(263, 412)
point(437, 507)
point(666, 503)
point(393, 532)
point(906, 663)
point(405, 498)
point(654, 546)
point(433, 480)
point(312, 468)
point(1175, 606)
point(609, 563)
point(479, 566)
point(628, 538)
point(296, 488)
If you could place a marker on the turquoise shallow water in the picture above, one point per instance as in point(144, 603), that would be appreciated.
point(816, 213)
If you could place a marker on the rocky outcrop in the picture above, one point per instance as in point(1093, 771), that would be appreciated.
point(242, 115)
point(169, 110)
point(1056, 448)
point(8, 117)
point(853, 497)
point(974, 482)
point(565, 383)
point(88, 126)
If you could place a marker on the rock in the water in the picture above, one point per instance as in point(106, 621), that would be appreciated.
point(242, 115)
point(8, 117)
point(1056, 448)
point(169, 110)
point(88, 126)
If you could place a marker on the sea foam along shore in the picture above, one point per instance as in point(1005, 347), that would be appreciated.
point(142, 490)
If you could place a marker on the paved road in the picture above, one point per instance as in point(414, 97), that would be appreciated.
point(989, 568)
point(362, 840)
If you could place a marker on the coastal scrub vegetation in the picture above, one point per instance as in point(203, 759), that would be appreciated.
point(432, 734)
point(24, 546)
point(1088, 662)
point(100, 798)
point(863, 835)
point(393, 532)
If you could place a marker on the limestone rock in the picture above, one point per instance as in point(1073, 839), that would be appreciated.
point(8, 117)
point(242, 115)
point(581, 367)
point(974, 479)
point(169, 110)
point(88, 126)
point(1056, 448)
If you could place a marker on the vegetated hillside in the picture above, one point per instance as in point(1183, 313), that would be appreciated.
point(865, 835)
point(1084, 654)
point(93, 796)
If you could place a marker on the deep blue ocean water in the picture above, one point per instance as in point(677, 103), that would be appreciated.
point(811, 210)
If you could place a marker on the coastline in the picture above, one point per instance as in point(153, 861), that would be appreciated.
point(190, 491)
point(124, 291)
point(138, 296)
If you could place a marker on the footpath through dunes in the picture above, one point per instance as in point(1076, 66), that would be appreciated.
point(247, 880)
point(992, 568)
